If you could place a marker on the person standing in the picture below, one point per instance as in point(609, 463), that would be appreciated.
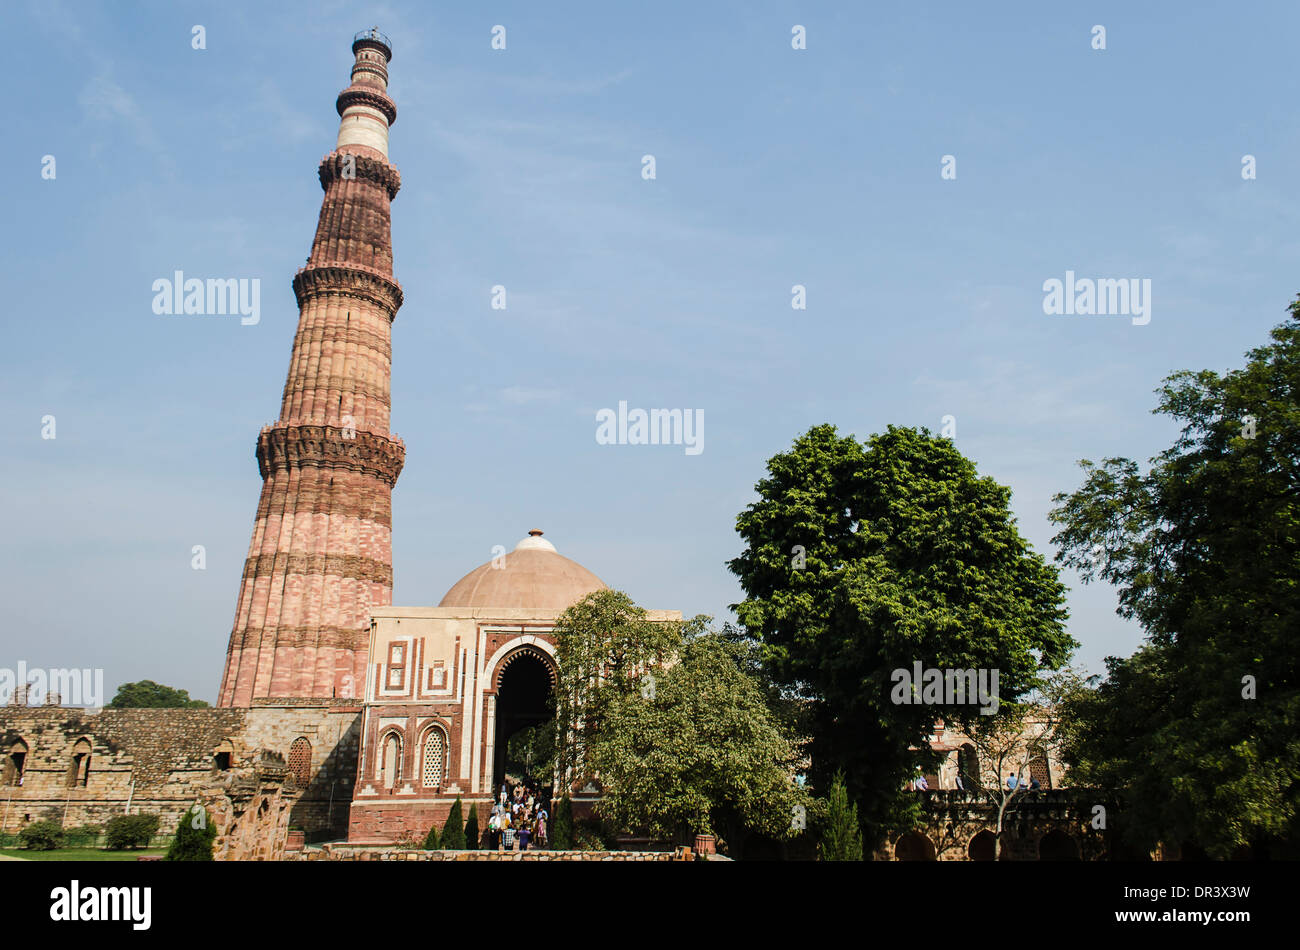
point(507, 833)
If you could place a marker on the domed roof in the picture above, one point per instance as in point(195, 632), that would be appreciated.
point(533, 575)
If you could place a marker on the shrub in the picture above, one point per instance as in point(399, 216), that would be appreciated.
point(842, 839)
point(561, 830)
point(82, 836)
point(130, 831)
point(453, 832)
point(471, 828)
point(194, 837)
point(431, 839)
point(42, 836)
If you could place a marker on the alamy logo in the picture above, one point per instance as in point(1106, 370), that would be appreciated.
point(935, 687)
point(103, 903)
point(182, 295)
point(655, 427)
point(1101, 297)
point(72, 687)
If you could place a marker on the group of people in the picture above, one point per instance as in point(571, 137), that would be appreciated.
point(519, 818)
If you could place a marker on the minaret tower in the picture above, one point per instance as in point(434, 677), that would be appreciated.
point(322, 555)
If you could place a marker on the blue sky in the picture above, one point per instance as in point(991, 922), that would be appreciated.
point(522, 167)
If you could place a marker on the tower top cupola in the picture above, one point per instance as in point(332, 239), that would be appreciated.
point(365, 111)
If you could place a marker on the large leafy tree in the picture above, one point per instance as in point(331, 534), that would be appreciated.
point(1199, 731)
point(861, 559)
point(604, 647)
point(147, 694)
point(697, 750)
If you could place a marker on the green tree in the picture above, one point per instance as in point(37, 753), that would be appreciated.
point(1195, 733)
point(147, 694)
point(472, 833)
point(531, 751)
point(41, 836)
point(604, 646)
point(431, 839)
point(194, 837)
point(130, 831)
point(697, 750)
point(842, 837)
point(862, 559)
point(453, 832)
point(562, 825)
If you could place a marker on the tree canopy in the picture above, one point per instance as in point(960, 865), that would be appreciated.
point(672, 720)
point(699, 753)
point(147, 694)
point(861, 559)
point(1197, 730)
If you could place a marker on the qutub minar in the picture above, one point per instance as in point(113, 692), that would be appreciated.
point(339, 715)
point(322, 553)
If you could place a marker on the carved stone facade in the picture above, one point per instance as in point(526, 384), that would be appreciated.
point(448, 686)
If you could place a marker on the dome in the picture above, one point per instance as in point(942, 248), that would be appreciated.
point(533, 575)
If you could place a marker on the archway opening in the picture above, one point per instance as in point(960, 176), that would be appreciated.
point(968, 767)
point(15, 762)
point(914, 846)
point(1057, 846)
point(983, 847)
point(524, 744)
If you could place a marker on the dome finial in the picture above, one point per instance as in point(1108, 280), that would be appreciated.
point(535, 542)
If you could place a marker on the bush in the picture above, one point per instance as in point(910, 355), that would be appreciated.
point(194, 837)
point(562, 826)
point(407, 842)
point(130, 831)
point(471, 828)
point(842, 838)
point(42, 836)
point(588, 838)
point(431, 839)
point(453, 832)
point(82, 836)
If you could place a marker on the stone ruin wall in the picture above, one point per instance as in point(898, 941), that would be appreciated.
point(162, 761)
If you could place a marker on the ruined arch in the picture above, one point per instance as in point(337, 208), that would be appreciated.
point(914, 846)
point(983, 847)
point(223, 756)
point(1056, 845)
point(79, 766)
point(15, 762)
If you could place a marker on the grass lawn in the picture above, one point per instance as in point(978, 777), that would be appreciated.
point(78, 854)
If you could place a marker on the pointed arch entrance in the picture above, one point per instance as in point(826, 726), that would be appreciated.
point(524, 683)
